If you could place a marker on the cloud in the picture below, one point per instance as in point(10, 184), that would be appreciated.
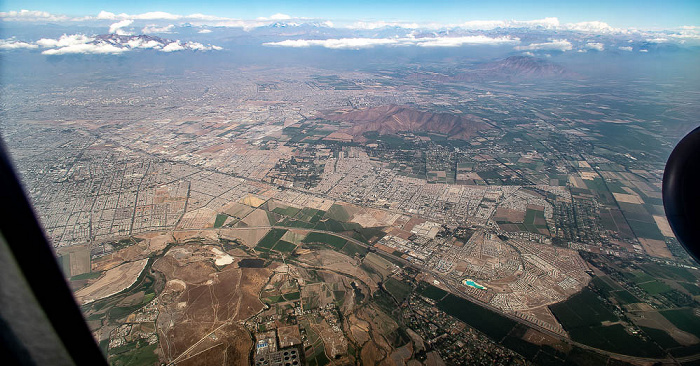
point(381, 24)
point(625, 48)
point(595, 46)
point(87, 48)
point(140, 43)
point(484, 24)
point(77, 44)
point(150, 29)
point(592, 27)
point(358, 43)
point(106, 15)
point(31, 16)
point(194, 46)
point(343, 43)
point(687, 33)
point(278, 16)
point(152, 15)
point(463, 41)
point(159, 15)
point(553, 45)
point(117, 27)
point(113, 44)
point(172, 47)
point(12, 44)
point(65, 41)
point(204, 31)
point(548, 23)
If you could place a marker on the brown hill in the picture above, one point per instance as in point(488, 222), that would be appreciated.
point(392, 119)
point(514, 68)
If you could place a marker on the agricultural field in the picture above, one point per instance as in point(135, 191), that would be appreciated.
point(246, 236)
point(590, 321)
point(327, 239)
point(270, 239)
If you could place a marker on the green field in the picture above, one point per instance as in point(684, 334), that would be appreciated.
point(432, 292)
point(670, 272)
point(220, 219)
point(352, 249)
point(332, 225)
point(625, 297)
point(582, 316)
point(654, 287)
point(645, 229)
point(684, 319)
point(286, 211)
point(660, 337)
point(284, 246)
point(488, 322)
point(309, 215)
point(398, 289)
point(273, 299)
point(291, 296)
point(86, 276)
point(365, 234)
point(323, 238)
point(692, 288)
point(596, 184)
point(614, 338)
point(582, 310)
point(144, 355)
point(269, 240)
point(639, 277)
point(526, 349)
point(296, 223)
point(601, 284)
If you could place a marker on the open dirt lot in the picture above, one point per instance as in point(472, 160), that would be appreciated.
point(257, 218)
point(236, 209)
point(199, 307)
point(113, 281)
point(655, 248)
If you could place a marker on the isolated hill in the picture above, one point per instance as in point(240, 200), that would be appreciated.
point(523, 67)
point(391, 119)
point(514, 68)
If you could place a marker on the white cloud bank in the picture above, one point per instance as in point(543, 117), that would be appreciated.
point(111, 44)
point(595, 46)
point(151, 29)
point(31, 16)
point(86, 48)
point(553, 45)
point(593, 27)
point(117, 27)
point(278, 16)
point(358, 43)
point(12, 44)
point(64, 41)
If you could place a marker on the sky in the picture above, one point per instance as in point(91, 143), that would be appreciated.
point(641, 14)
